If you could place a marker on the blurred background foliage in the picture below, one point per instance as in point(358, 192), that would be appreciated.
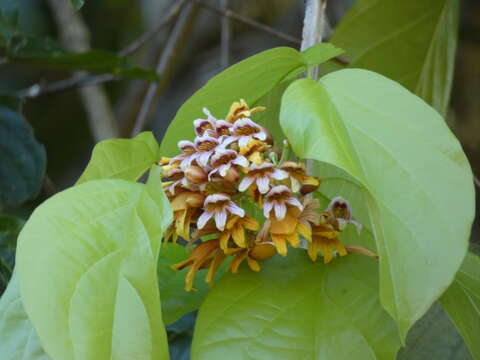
point(69, 120)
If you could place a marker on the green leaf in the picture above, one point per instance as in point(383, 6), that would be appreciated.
point(18, 338)
point(416, 180)
point(22, 159)
point(412, 42)
point(320, 53)
point(461, 301)
point(86, 263)
point(434, 337)
point(296, 309)
point(250, 79)
point(34, 51)
point(126, 159)
point(177, 302)
point(78, 3)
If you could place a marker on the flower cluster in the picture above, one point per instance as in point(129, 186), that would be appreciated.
point(229, 186)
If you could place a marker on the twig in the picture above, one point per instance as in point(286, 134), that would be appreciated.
point(163, 61)
point(313, 27)
point(147, 36)
point(225, 38)
point(75, 37)
point(230, 14)
point(76, 81)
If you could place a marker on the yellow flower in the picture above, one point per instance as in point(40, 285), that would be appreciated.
point(253, 151)
point(254, 253)
point(326, 239)
point(240, 110)
point(206, 255)
point(235, 230)
point(186, 206)
point(299, 180)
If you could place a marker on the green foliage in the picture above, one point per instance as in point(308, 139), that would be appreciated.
point(126, 159)
point(10, 227)
point(176, 302)
point(250, 79)
point(384, 138)
point(86, 262)
point(412, 42)
point(18, 338)
point(296, 309)
point(22, 159)
point(434, 337)
point(461, 301)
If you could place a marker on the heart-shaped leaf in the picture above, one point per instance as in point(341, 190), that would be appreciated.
point(416, 180)
point(126, 159)
point(296, 309)
point(86, 264)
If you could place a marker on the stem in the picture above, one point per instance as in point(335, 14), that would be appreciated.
point(313, 27)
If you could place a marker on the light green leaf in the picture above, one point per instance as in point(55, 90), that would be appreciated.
point(462, 302)
point(412, 42)
point(296, 309)
point(434, 337)
point(177, 302)
point(416, 180)
point(250, 79)
point(321, 52)
point(22, 159)
point(126, 159)
point(86, 254)
point(18, 340)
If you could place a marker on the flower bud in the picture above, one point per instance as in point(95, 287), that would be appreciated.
point(232, 175)
point(262, 251)
point(195, 174)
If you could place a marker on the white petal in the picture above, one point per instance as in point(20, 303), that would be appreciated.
point(235, 209)
point(260, 136)
point(220, 219)
point(280, 211)
point(243, 141)
point(241, 160)
point(211, 173)
point(203, 158)
point(278, 174)
point(202, 220)
point(228, 140)
point(293, 201)
point(295, 184)
point(187, 161)
point(223, 169)
point(262, 183)
point(267, 207)
point(246, 182)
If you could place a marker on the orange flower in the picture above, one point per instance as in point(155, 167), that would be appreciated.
point(235, 230)
point(299, 180)
point(206, 255)
point(185, 206)
point(255, 253)
point(326, 235)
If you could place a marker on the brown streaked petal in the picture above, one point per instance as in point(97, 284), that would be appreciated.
point(212, 270)
point(238, 235)
point(355, 249)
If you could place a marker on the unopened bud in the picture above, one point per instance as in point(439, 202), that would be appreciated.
point(262, 251)
point(232, 175)
point(196, 175)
